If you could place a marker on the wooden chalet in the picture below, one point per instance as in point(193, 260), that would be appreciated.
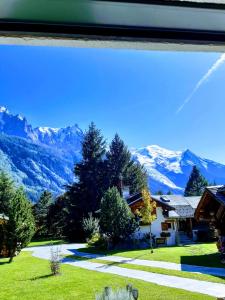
point(211, 209)
point(174, 218)
point(163, 230)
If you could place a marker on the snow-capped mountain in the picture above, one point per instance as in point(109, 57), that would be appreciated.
point(38, 158)
point(169, 170)
point(68, 138)
point(43, 158)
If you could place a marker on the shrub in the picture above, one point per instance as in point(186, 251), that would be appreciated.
point(90, 226)
point(94, 239)
point(55, 261)
point(128, 293)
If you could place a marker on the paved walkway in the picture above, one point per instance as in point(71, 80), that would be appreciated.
point(156, 264)
point(192, 285)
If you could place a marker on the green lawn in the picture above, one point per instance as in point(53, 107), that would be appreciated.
point(45, 243)
point(197, 254)
point(29, 278)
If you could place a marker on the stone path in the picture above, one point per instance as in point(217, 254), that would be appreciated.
point(192, 285)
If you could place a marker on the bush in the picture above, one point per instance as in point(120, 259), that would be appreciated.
point(100, 242)
point(90, 226)
point(55, 261)
point(128, 293)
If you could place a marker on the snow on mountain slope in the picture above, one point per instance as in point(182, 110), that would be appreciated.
point(40, 158)
point(169, 170)
point(68, 138)
point(43, 158)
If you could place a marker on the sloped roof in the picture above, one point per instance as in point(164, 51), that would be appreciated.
point(138, 197)
point(184, 206)
point(218, 192)
point(178, 200)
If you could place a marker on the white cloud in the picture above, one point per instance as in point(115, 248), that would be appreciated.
point(207, 75)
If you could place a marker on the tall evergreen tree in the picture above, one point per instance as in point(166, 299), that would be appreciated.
point(41, 213)
point(20, 226)
point(196, 183)
point(116, 219)
point(7, 192)
point(58, 217)
point(85, 194)
point(122, 170)
point(118, 162)
point(136, 178)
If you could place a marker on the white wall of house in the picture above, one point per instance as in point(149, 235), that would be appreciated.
point(157, 228)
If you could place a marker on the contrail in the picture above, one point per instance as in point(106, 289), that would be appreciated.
point(214, 67)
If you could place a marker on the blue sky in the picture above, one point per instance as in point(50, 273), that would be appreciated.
point(135, 93)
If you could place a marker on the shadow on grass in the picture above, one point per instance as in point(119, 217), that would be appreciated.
point(45, 242)
point(4, 263)
point(206, 260)
point(41, 277)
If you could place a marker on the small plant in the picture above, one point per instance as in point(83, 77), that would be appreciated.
point(128, 293)
point(55, 261)
point(90, 226)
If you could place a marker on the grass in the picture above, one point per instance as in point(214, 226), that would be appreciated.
point(29, 278)
point(46, 243)
point(197, 254)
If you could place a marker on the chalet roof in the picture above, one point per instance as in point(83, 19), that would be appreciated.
point(184, 206)
point(218, 192)
point(215, 193)
point(178, 200)
point(138, 196)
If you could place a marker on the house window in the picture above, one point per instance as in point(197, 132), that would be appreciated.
point(164, 226)
point(169, 225)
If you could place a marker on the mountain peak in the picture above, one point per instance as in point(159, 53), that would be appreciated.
point(3, 109)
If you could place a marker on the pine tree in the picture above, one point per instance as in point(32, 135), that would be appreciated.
point(20, 226)
point(136, 178)
point(7, 192)
point(196, 184)
point(85, 194)
point(118, 162)
point(41, 213)
point(116, 219)
point(122, 170)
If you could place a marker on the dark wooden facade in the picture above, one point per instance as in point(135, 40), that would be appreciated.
point(211, 208)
